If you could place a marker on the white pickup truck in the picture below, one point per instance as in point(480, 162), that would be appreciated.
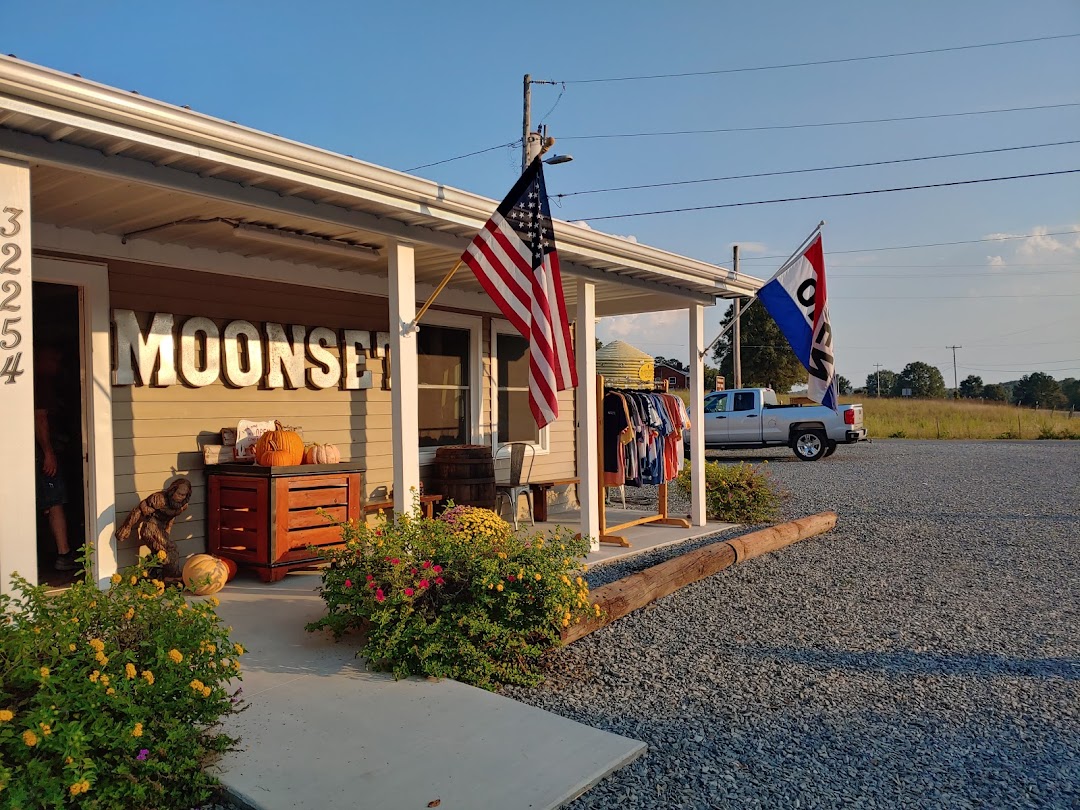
point(752, 417)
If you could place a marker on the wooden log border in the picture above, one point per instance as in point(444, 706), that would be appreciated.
point(619, 598)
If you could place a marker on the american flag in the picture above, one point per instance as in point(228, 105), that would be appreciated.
point(514, 258)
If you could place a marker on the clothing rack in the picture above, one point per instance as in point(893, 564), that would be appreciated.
point(661, 517)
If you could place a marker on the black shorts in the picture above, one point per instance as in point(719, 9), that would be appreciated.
point(51, 490)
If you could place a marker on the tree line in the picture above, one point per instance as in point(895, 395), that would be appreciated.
point(1037, 389)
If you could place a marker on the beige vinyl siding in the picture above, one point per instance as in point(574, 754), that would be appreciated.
point(158, 433)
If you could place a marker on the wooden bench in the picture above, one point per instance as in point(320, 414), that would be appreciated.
point(427, 503)
point(539, 493)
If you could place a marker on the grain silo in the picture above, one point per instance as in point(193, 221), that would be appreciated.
point(624, 366)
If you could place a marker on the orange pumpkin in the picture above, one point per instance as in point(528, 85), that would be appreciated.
point(322, 454)
point(230, 565)
point(279, 448)
point(205, 574)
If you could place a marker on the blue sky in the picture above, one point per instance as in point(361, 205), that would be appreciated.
point(403, 84)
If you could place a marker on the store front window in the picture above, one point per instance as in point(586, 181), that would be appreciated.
point(515, 422)
point(444, 373)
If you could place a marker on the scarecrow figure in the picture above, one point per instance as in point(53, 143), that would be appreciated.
point(152, 520)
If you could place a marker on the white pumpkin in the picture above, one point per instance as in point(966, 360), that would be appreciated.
point(322, 454)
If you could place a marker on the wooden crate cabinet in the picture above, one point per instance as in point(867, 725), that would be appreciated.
point(266, 518)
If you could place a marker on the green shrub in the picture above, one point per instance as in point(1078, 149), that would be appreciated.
point(735, 493)
point(460, 596)
point(111, 698)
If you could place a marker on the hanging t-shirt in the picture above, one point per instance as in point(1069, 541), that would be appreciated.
point(616, 420)
point(673, 444)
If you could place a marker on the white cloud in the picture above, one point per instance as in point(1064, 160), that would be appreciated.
point(583, 224)
point(1039, 245)
point(996, 261)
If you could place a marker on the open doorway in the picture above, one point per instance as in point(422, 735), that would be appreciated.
point(59, 432)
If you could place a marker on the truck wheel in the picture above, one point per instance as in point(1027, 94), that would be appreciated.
point(831, 449)
point(809, 445)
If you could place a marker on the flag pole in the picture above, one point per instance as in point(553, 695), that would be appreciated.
point(433, 296)
point(798, 252)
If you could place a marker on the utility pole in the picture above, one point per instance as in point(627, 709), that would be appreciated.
point(956, 385)
point(526, 123)
point(878, 367)
point(736, 336)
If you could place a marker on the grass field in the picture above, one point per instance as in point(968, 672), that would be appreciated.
point(960, 419)
point(957, 419)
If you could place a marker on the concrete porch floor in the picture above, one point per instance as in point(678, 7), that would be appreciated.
point(642, 538)
point(322, 732)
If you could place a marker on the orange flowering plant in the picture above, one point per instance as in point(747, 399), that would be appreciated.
point(461, 596)
point(112, 698)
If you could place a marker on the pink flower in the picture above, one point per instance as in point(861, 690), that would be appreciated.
point(440, 581)
point(437, 569)
point(380, 596)
point(511, 577)
point(415, 572)
point(348, 583)
point(395, 561)
point(409, 591)
point(378, 532)
point(427, 564)
point(369, 577)
point(371, 584)
point(143, 754)
point(423, 584)
point(387, 559)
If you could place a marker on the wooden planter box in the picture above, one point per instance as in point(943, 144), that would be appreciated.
point(266, 518)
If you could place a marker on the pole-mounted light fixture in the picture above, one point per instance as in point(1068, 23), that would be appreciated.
point(555, 160)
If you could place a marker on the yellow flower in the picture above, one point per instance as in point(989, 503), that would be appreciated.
point(149, 676)
point(499, 587)
point(236, 665)
point(521, 573)
point(502, 555)
point(130, 613)
point(6, 715)
point(71, 648)
point(206, 691)
point(565, 622)
point(44, 672)
point(30, 738)
point(238, 648)
point(585, 568)
point(110, 691)
point(104, 680)
point(211, 648)
point(134, 579)
point(176, 656)
point(75, 789)
point(95, 676)
point(161, 555)
point(97, 644)
point(129, 670)
point(137, 731)
point(213, 601)
point(46, 729)
point(69, 761)
point(537, 577)
point(115, 579)
point(180, 612)
point(225, 662)
point(491, 585)
point(101, 658)
point(578, 580)
point(197, 685)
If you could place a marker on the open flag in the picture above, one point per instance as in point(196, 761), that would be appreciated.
point(514, 258)
point(797, 300)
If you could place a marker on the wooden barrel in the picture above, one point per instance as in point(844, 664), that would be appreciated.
point(465, 474)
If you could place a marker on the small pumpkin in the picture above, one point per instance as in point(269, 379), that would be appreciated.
point(230, 565)
point(205, 574)
point(322, 454)
point(279, 447)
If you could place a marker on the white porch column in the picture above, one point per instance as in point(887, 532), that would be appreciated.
point(587, 440)
point(403, 376)
point(18, 511)
point(697, 415)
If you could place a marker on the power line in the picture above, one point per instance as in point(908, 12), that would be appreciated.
point(937, 297)
point(932, 244)
point(842, 60)
point(666, 133)
point(829, 196)
point(805, 171)
point(468, 155)
point(987, 276)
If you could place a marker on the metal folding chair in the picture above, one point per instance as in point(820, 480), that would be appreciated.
point(515, 487)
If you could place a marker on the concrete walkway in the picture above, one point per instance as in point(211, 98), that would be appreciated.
point(323, 732)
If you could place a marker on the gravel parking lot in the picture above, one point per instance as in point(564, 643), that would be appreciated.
point(926, 653)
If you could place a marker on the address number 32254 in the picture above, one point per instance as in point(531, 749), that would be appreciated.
point(10, 296)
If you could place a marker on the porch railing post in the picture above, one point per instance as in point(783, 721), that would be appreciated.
point(697, 415)
point(404, 375)
point(585, 356)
